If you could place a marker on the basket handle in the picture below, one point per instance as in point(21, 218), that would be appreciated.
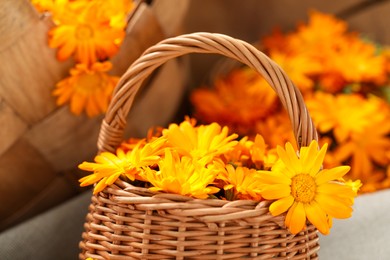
point(113, 125)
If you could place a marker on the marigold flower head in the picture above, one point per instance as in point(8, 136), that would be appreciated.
point(251, 154)
point(200, 141)
point(242, 180)
point(368, 149)
point(343, 114)
point(84, 29)
point(182, 175)
point(87, 88)
point(357, 61)
point(318, 36)
point(300, 188)
point(108, 167)
point(276, 129)
point(227, 102)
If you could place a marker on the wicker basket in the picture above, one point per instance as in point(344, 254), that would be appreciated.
point(41, 143)
point(127, 222)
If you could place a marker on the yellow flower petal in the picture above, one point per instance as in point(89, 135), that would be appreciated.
point(298, 218)
point(273, 177)
point(317, 162)
point(275, 191)
point(317, 217)
point(282, 205)
point(331, 174)
point(334, 207)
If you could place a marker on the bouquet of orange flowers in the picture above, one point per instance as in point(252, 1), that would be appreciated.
point(344, 79)
point(205, 161)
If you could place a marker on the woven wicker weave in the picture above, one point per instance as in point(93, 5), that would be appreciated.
point(127, 222)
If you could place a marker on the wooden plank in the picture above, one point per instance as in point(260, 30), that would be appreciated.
point(31, 71)
point(56, 192)
point(23, 174)
point(142, 32)
point(12, 127)
point(373, 22)
point(171, 14)
point(14, 15)
point(65, 140)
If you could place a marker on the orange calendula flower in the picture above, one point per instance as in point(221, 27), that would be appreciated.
point(251, 154)
point(108, 167)
point(358, 61)
point(227, 103)
point(87, 88)
point(201, 141)
point(242, 180)
point(84, 30)
point(182, 175)
point(318, 36)
point(276, 129)
point(262, 156)
point(300, 188)
point(367, 149)
point(343, 114)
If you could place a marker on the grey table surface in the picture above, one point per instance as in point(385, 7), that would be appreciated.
point(56, 233)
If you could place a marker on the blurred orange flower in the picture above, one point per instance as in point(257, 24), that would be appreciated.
point(87, 88)
point(84, 30)
point(242, 181)
point(228, 102)
point(345, 114)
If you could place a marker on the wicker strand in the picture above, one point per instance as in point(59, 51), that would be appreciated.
point(114, 123)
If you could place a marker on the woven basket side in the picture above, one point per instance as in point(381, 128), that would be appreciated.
point(122, 224)
point(111, 133)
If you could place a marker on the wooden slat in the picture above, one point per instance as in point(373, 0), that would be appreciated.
point(170, 14)
point(373, 23)
point(12, 127)
point(13, 17)
point(57, 191)
point(65, 140)
point(142, 32)
point(23, 174)
point(29, 69)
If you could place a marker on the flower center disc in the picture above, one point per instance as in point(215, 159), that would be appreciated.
point(84, 32)
point(303, 188)
point(89, 83)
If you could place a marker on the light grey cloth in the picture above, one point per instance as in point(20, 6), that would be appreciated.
point(364, 236)
point(56, 233)
point(53, 235)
